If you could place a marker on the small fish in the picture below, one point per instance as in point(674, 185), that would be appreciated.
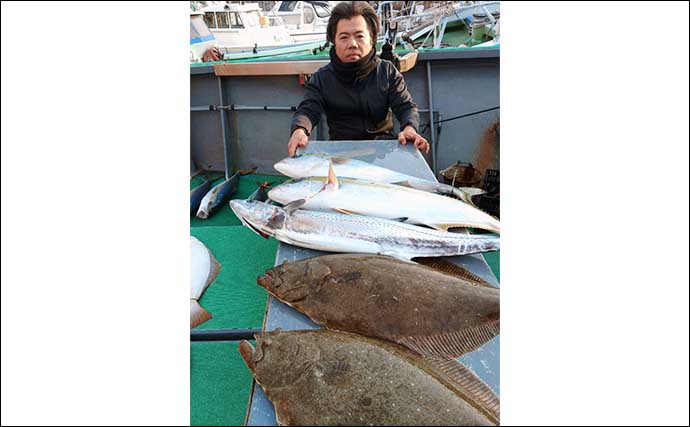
point(204, 269)
point(306, 165)
point(220, 194)
point(431, 312)
point(337, 232)
point(360, 197)
point(323, 377)
point(197, 194)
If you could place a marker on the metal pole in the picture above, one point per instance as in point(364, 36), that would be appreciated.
point(224, 130)
point(431, 117)
point(223, 334)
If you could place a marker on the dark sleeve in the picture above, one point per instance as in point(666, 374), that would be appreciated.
point(309, 110)
point(400, 100)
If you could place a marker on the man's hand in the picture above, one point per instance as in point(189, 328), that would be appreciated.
point(298, 138)
point(409, 134)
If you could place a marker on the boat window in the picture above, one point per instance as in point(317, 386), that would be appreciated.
point(287, 6)
point(321, 10)
point(235, 21)
point(251, 19)
point(210, 19)
point(222, 18)
point(309, 15)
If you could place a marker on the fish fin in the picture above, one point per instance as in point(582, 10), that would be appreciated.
point(475, 391)
point(452, 344)
point(294, 205)
point(247, 352)
point(472, 191)
point(465, 194)
point(332, 179)
point(197, 314)
point(455, 270)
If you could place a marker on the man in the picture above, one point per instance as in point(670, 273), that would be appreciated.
point(357, 90)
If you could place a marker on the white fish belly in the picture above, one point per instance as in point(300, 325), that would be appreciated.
point(200, 267)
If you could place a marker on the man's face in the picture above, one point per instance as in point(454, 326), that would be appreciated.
point(352, 39)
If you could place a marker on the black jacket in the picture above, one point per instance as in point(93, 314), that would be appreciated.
point(360, 111)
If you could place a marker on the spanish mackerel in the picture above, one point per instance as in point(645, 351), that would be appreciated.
point(220, 194)
point(324, 377)
point(355, 196)
point(433, 313)
point(337, 232)
point(306, 165)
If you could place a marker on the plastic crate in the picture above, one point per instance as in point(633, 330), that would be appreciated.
point(490, 202)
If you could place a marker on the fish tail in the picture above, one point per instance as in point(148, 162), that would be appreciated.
point(466, 193)
point(247, 352)
point(197, 315)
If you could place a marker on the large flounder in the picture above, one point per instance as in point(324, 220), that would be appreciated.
point(431, 312)
point(324, 377)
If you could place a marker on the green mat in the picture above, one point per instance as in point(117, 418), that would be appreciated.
point(245, 188)
point(220, 384)
point(234, 299)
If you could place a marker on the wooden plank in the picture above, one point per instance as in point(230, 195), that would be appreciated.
point(277, 68)
point(408, 61)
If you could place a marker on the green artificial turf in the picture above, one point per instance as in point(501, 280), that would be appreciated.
point(234, 299)
point(246, 186)
point(220, 384)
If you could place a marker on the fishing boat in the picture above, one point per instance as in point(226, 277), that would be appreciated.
point(305, 20)
point(200, 39)
point(244, 31)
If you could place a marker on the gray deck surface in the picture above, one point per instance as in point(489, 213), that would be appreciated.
point(405, 159)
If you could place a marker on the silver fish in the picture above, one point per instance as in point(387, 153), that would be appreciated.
point(337, 232)
point(354, 196)
point(204, 269)
point(306, 165)
point(220, 194)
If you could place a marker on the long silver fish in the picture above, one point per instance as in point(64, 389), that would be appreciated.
point(204, 269)
point(354, 196)
point(306, 165)
point(337, 232)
